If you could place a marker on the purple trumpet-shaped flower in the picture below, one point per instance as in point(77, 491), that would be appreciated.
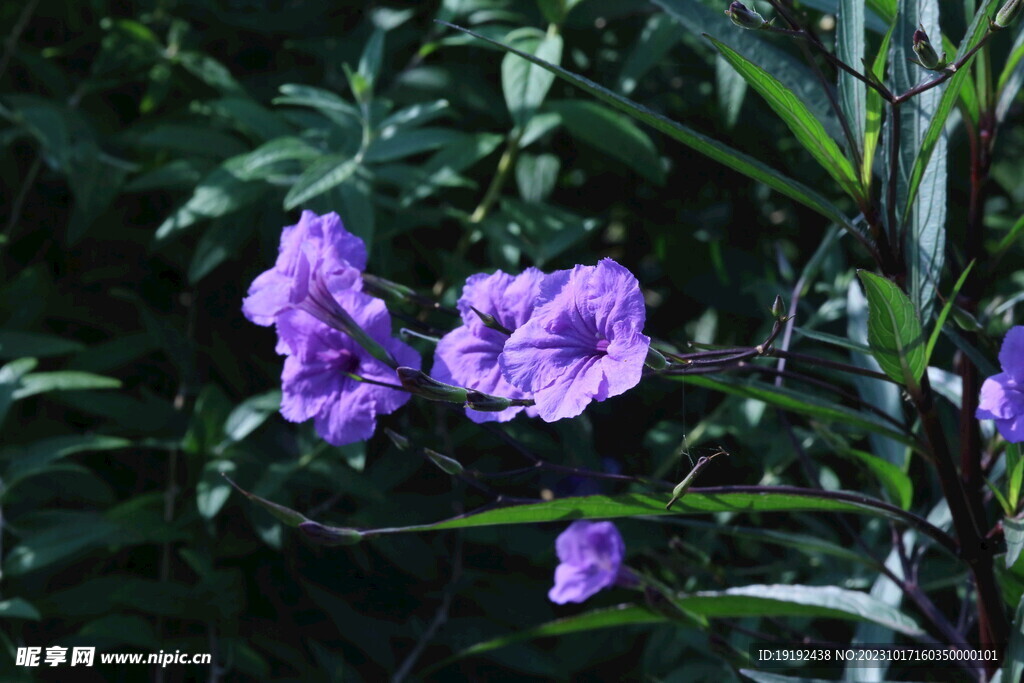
point(315, 242)
point(1002, 395)
point(468, 355)
point(591, 555)
point(324, 374)
point(583, 343)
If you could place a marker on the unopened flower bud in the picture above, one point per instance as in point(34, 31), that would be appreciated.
point(477, 400)
point(926, 54)
point(778, 307)
point(389, 291)
point(744, 17)
point(330, 535)
point(1008, 13)
point(422, 384)
point(447, 465)
point(400, 441)
point(654, 360)
point(491, 322)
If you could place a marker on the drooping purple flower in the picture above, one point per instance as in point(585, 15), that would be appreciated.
point(1002, 395)
point(583, 343)
point(468, 355)
point(315, 241)
point(317, 381)
point(590, 556)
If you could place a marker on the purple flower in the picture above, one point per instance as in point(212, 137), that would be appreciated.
point(315, 241)
point(468, 355)
point(1002, 395)
point(583, 343)
point(317, 381)
point(591, 559)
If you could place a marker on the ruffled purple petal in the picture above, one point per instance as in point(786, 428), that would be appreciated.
point(469, 358)
point(1011, 354)
point(1000, 398)
point(1012, 428)
point(576, 584)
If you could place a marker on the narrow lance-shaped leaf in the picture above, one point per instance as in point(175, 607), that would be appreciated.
point(975, 32)
point(922, 231)
point(721, 153)
point(850, 49)
point(873, 116)
point(894, 332)
point(807, 129)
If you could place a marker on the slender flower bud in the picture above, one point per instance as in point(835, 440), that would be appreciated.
point(400, 441)
point(1008, 13)
point(425, 386)
point(392, 292)
point(477, 400)
point(491, 322)
point(447, 465)
point(330, 535)
point(744, 17)
point(927, 55)
point(779, 307)
point(655, 360)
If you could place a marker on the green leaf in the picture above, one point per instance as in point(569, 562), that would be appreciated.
point(524, 84)
point(212, 489)
point(1013, 663)
point(63, 380)
point(659, 35)
point(894, 332)
point(620, 615)
point(372, 57)
point(850, 49)
point(250, 414)
point(326, 102)
point(17, 608)
point(404, 143)
point(807, 129)
point(21, 344)
point(922, 230)
point(10, 381)
point(712, 148)
point(893, 479)
point(445, 166)
point(765, 677)
point(975, 32)
point(835, 340)
point(731, 89)
point(415, 115)
point(536, 175)
point(220, 242)
point(797, 600)
point(58, 536)
point(542, 231)
point(873, 116)
point(944, 313)
point(1012, 77)
point(262, 161)
point(220, 193)
point(1014, 532)
point(798, 402)
point(320, 177)
point(28, 459)
point(619, 138)
point(253, 119)
point(701, 17)
point(696, 501)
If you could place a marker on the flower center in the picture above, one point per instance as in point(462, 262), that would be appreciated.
point(602, 345)
point(347, 361)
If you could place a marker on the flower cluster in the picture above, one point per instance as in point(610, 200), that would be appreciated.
point(563, 339)
point(341, 357)
point(1002, 395)
point(590, 556)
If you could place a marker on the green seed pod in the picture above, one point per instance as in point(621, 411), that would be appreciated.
point(422, 384)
